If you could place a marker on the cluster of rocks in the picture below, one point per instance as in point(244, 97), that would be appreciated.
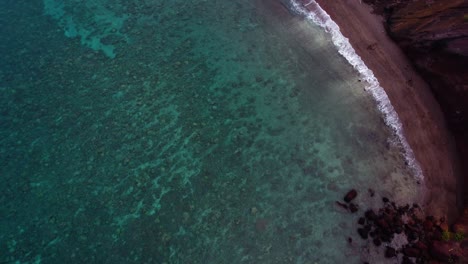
point(426, 239)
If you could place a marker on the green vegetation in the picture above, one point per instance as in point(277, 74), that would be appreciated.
point(457, 236)
point(446, 235)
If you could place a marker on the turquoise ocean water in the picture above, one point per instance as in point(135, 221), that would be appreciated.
point(184, 132)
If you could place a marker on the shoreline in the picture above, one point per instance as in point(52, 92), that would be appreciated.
point(422, 121)
point(315, 13)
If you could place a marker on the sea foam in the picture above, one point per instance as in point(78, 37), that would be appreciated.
point(322, 19)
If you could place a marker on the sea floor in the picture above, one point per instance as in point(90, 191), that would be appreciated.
point(183, 132)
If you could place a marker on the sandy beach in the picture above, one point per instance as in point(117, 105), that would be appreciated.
point(422, 119)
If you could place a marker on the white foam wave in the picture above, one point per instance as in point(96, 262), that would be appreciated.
point(321, 18)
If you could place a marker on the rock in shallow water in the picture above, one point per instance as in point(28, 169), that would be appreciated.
point(350, 196)
point(390, 252)
point(411, 252)
point(418, 230)
point(353, 208)
point(363, 232)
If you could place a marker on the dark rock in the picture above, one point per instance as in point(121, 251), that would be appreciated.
point(361, 221)
point(363, 232)
point(406, 260)
point(398, 229)
point(377, 242)
point(411, 252)
point(371, 192)
point(406, 208)
point(390, 252)
point(353, 208)
point(370, 215)
point(412, 236)
point(412, 228)
point(342, 205)
point(386, 238)
point(421, 245)
point(382, 224)
point(397, 221)
point(420, 232)
point(350, 196)
point(385, 199)
point(401, 210)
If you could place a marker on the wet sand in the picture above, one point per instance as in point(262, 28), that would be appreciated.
point(421, 116)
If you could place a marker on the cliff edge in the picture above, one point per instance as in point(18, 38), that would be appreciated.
point(434, 35)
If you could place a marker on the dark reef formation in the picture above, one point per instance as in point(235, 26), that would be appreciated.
point(434, 36)
point(407, 235)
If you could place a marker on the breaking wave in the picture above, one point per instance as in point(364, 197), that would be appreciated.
point(322, 19)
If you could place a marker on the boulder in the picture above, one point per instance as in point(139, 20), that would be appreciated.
point(370, 215)
point(382, 224)
point(390, 252)
point(350, 196)
point(398, 229)
point(363, 232)
point(377, 242)
point(411, 252)
point(361, 221)
point(406, 260)
point(421, 245)
point(353, 208)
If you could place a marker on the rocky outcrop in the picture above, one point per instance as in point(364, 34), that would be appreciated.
point(434, 35)
point(410, 236)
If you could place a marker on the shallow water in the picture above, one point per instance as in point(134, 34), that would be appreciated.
point(202, 132)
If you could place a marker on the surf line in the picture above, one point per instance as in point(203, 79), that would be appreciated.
point(318, 16)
